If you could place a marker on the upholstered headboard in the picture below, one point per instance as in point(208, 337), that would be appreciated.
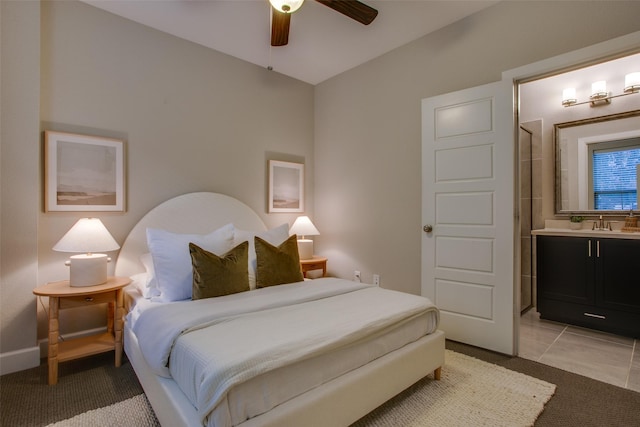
point(197, 213)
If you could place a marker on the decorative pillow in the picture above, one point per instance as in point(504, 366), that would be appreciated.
point(150, 288)
point(275, 236)
point(277, 265)
point(172, 262)
point(215, 276)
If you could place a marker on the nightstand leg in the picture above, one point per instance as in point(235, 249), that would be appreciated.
point(53, 340)
point(110, 316)
point(118, 325)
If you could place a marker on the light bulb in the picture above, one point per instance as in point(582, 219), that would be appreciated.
point(286, 6)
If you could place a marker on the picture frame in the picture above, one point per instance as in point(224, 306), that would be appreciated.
point(286, 186)
point(83, 173)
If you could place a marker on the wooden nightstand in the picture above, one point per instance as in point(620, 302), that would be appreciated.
point(315, 263)
point(62, 296)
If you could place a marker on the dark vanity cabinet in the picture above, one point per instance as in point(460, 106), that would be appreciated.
point(590, 282)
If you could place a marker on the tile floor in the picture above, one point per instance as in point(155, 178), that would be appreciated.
point(605, 357)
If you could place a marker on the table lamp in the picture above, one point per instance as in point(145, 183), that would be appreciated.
point(304, 227)
point(88, 235)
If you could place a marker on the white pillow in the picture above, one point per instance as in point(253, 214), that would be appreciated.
point(150, 286)
point(172, 261)
point(274, 236)
point(138, 281)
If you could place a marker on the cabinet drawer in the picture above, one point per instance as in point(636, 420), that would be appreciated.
point(602, 319)
point(313, 266)
point(84, 300)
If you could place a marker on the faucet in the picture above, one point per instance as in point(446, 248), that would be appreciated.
point(601, 225)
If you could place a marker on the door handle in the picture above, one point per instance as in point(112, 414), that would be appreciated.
point(427, 228)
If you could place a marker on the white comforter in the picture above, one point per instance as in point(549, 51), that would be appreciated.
point(237, 337)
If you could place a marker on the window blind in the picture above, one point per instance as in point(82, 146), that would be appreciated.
point(614, 178)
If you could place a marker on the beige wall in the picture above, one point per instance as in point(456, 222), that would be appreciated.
point(193, 120)
point(368, 131)
point(19, 181)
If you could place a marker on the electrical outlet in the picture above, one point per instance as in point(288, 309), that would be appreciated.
point(376, 279)
point(356, 276)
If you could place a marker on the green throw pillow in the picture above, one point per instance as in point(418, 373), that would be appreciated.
point(277, 265)
point(215, 276)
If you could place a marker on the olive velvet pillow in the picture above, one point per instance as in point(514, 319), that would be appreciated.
point(215, 276)
point(277, 265)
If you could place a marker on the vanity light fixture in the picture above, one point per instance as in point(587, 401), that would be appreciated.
point(599, 93)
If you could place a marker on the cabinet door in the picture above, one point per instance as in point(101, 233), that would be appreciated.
point(565, 269)
point(618, 274)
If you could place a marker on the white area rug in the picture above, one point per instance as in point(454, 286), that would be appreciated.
point(470, 393)
point(133, 412)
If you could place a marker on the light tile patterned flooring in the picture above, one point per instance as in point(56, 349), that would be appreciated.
point(605, 357)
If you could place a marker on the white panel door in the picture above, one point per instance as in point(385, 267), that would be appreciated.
point(468, 202)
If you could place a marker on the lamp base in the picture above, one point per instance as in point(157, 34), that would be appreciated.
point(305, 248)
point(87, 270)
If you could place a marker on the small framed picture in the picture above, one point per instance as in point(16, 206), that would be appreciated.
point(286, 186)
point(83, 173)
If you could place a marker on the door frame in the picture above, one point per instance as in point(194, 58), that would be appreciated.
point(590, 55)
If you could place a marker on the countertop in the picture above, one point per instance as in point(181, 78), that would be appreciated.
point(586, 232)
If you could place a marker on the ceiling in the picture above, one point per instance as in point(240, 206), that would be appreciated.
point(322, 42)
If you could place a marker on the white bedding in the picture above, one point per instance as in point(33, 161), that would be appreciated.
point(252, 336)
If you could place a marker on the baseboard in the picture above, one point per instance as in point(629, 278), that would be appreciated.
point(19, 360)
point(28, 358)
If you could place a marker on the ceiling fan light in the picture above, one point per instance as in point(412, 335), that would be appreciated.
point(286, 6)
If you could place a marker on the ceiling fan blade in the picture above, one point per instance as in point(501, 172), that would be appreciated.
point(353, 9)
point(279, 28)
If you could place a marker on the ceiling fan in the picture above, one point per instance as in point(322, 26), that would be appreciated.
point(282, 10)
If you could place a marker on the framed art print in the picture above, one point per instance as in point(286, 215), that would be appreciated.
point(286, 186)
point(83, 173)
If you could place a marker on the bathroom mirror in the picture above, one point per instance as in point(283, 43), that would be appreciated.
point(598, 164)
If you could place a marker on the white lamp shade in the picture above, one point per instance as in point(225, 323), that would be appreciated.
point(286, 6)
point(599, 88)
point(303, 226)
point(632, 82)
point(569, 96)
point(87, 235)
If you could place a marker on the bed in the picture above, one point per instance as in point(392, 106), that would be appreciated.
point(339, 377)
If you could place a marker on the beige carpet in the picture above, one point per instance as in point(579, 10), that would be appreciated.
point(470, 393)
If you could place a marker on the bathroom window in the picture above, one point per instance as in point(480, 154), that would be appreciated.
point(614, 167)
